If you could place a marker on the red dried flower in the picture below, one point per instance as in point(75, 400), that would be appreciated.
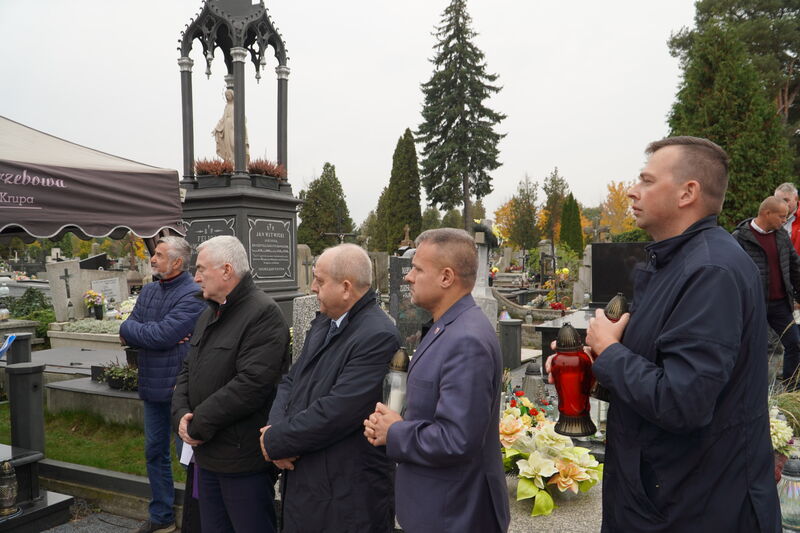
point(518, 393)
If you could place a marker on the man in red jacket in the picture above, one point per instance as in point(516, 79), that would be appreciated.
point(788, 193)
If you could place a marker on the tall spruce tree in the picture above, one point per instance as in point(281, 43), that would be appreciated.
point(324, 210)
point(402, 195)
point(722, 98)
point(571, 232)
point(457, 132)
point(382, 214)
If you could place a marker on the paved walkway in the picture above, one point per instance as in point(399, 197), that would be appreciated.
point(98, 523)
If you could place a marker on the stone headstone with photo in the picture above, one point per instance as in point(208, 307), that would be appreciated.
point(409, 318)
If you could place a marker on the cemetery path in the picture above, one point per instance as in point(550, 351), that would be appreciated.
point(98, 523)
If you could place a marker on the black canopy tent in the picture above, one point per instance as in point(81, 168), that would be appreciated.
point(49, 186)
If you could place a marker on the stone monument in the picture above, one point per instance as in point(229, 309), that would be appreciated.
point(481, 292)
point(409, 318)
point(68, 283)
point(259, 210)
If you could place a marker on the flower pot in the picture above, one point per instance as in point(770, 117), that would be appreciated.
point(780, 461)
point(115, 382)
point(98, 312)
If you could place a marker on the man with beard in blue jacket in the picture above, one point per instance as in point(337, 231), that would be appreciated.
point(163, 317)
point(689, 445)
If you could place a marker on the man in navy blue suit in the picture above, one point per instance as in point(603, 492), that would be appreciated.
point(450, 473)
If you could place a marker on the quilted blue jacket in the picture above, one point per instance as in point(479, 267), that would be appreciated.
point(165, 313)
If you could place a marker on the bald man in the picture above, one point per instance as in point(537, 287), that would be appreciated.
point(333, 479)
point(779, 265)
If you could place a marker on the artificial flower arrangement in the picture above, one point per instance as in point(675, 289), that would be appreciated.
point(781, 434)
point(125, 308)
point(93, 298)
point(542, 459)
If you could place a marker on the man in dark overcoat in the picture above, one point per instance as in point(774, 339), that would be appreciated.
point(688, 445)
point(333, 479)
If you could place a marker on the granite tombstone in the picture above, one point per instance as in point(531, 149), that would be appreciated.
point(409, 318)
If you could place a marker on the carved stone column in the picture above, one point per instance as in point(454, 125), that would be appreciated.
point(283, 86)
point(187, 110)
point(240, 175)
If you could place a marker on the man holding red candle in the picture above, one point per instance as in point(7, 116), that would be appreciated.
point(688, 428)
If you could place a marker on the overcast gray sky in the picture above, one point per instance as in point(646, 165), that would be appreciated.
point(586, 84)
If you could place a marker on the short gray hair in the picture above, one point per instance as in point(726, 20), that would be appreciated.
point(351, 262)
point(177, 248)
point(457, 250)
point(227, 249)
point(786, 187)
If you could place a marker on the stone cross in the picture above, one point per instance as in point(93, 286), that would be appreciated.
point(66, 277)
point(308, 262)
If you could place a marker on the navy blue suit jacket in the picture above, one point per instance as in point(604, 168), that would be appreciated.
point(450, 474)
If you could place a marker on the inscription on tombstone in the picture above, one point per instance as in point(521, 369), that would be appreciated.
point(200, 230)
point(109, 288)
point(270, 248)
point(408, 317)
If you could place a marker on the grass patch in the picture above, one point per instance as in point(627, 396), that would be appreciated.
point(86, 439)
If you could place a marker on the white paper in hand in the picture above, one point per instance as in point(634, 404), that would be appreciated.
point(186, 454)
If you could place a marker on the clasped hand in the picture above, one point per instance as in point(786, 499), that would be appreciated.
point(376, 427)
point(287, 463)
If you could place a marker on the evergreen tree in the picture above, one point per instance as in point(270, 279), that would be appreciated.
point(453, 219)
point(555, 190)
point(431, 219)
point(382, 215)
point(478, 211)
point(571, 232)
point(366, 231)
point(402, 195)
point(721, 98)
point(457, 133)
point(523, 232)
point(324, 210)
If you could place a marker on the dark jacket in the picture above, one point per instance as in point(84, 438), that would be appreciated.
point(789, 260)
point(239, 350)
point(340, 483)
point(450, 475)
point(688, 444)
point(164, 314)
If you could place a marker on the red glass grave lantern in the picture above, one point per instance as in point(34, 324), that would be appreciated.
point(614, 310)
point(572, 374)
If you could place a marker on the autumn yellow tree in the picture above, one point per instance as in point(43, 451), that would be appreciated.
point(504, 219)
point(615, 211)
